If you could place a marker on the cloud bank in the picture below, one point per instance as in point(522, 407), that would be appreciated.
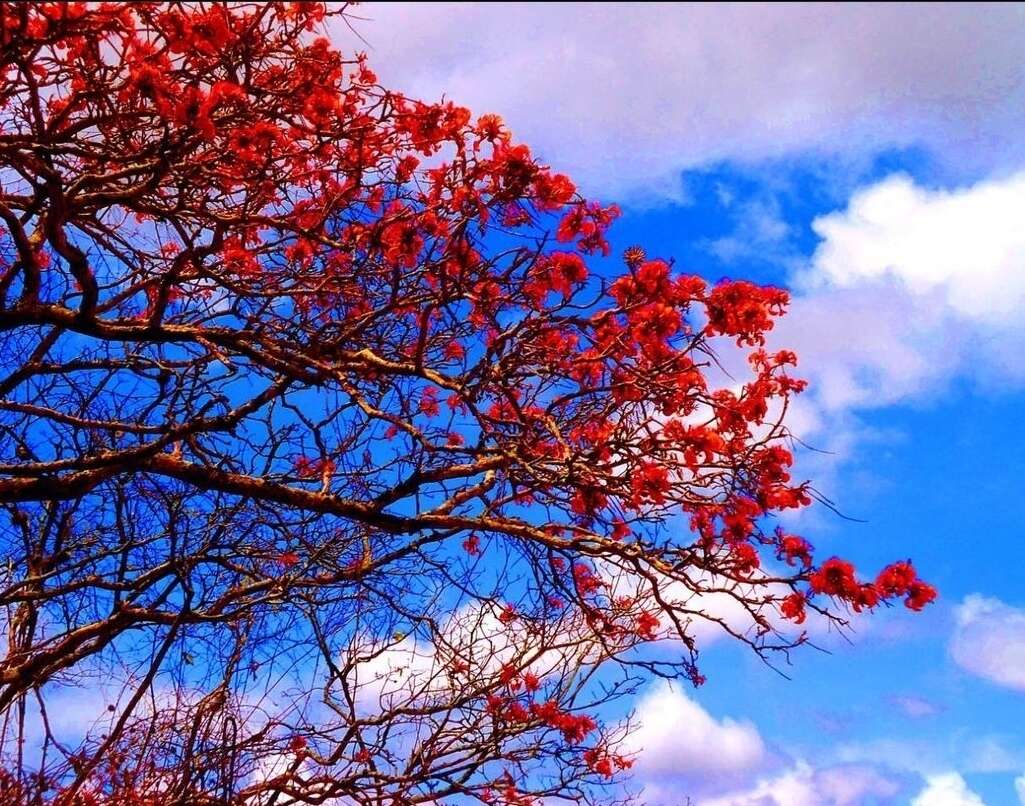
point(624, 98)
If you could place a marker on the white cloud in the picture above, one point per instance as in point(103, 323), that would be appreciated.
point(966, 245)
point(867, 346)
point(623, 100)
point(684, 750)
point(915, 707)
point(804, 785)
point(415, 669)
point(909, 287)
point(989, 641)
point(1019, 788)
point(677, 738)
point(396, 673)
point(947, 789)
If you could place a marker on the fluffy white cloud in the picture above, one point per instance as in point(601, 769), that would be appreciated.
point(624, 99)
point(684, 750)
point(1019, 788)
point(909, 289)
point(804, 785)
point(677, 738)
point(947, 789)
point(989, 641)
point(910, 286)
point(413, 669)
point(397, 673)
point(967, 246)
point(867, 346)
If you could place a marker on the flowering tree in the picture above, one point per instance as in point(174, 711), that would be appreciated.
point(336, 464)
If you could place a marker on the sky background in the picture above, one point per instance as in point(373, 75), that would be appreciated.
point(872, 159)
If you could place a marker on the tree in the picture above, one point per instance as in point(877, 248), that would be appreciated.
point(335, 460)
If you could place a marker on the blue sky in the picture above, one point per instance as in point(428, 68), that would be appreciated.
point(873, 160)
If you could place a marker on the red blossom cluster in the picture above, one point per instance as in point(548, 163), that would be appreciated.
point(606, 764)
point(836, 578)
point(573, 727)
point(513, 707)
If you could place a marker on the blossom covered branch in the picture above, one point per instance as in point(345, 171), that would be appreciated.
point(300, 376)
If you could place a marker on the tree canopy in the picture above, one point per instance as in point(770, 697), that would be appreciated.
point(337, 462)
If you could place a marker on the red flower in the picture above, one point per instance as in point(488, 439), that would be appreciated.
point(793, 608)
point(604, 763)
point(620, 530)
point(794, 548)
point(306, 468)
point(835, 577)
point(492, 129)
point(508, 674)
point(585, 580)
point(744, 310)
point(919, 595)
point(508, 614)
point(574, 727)
point(321, 106)
point(552, 191)
point(866, 597)
point(901, 579)
point(193, 112)
point(429, 402)
point(746, 558)
point(649, 484)
point(645, 626)
point(587, 501)
point(454, 350)
point(288, 559)
point(560, 272)
point(896, 579)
